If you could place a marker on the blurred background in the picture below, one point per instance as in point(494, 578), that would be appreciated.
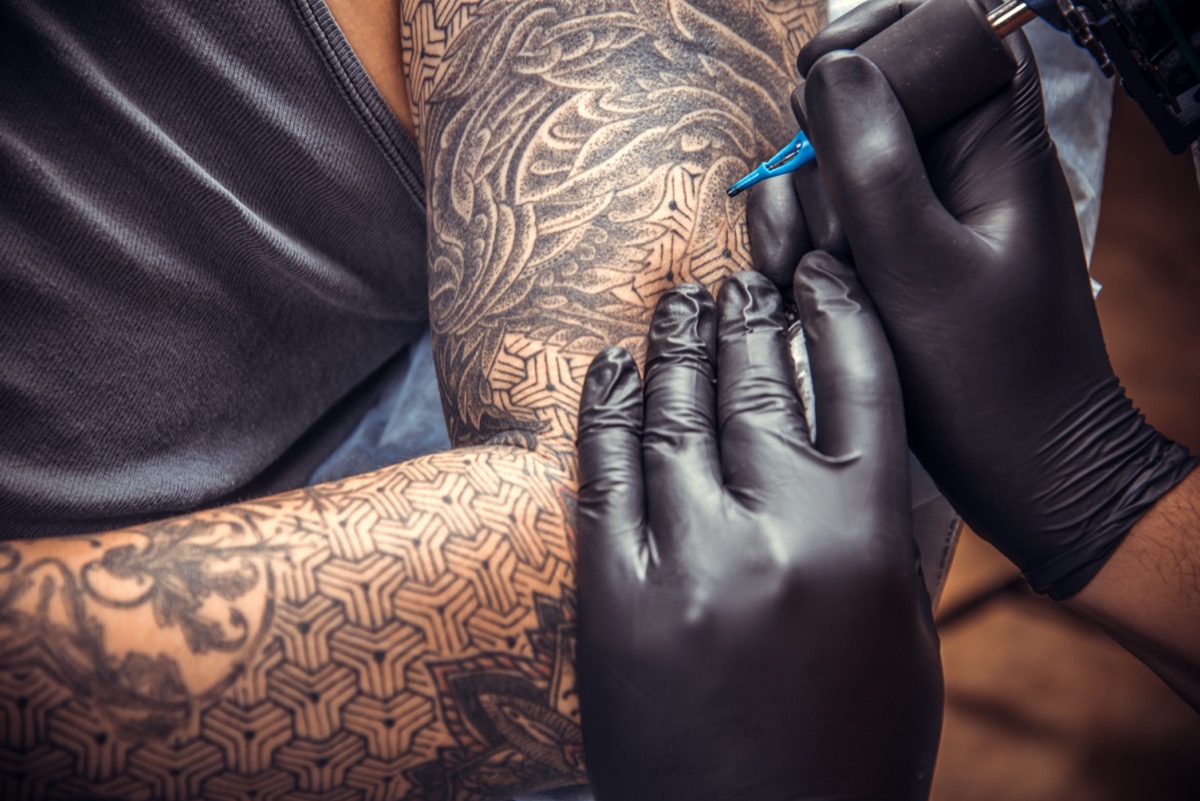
point(1039, 704)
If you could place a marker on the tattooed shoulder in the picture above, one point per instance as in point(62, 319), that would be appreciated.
point(577, 157)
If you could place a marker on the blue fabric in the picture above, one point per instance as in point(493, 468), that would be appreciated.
point(406, 421)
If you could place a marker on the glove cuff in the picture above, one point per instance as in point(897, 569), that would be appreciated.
point(1164, 465)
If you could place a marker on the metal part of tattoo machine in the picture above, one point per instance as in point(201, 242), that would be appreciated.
point(1150, 45)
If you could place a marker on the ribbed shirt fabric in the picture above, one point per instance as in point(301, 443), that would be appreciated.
point(212, 243)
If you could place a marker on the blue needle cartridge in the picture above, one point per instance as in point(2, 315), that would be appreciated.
point(794, 155)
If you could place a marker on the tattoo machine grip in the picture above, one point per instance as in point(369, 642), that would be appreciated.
point(941, 59)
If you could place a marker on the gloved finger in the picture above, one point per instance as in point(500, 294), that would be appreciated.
point(825, 228)
point(680, 445)
point(776, 225)
point(852, 29)
point(870, 163)
point(762, 425)
point(859, 409)
point(612, 501)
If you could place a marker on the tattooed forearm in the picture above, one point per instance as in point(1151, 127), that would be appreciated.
point(577, 156)
point(204, 583)
point(404, 634)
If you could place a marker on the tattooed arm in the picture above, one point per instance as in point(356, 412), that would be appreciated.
point(402, 634)
point(407, 633)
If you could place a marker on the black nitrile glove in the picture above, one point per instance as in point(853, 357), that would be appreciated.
point(752, 621)
point(969, 247)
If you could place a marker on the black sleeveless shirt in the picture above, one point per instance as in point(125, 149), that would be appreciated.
point(212, 239)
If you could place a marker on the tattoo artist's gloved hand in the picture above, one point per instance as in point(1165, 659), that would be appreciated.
point(752, 620)
point(969, 247)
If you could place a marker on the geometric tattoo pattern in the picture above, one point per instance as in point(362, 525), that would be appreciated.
point(409, 633)
point(372, 641)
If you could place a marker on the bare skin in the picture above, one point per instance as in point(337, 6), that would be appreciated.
point(372, 27)
point(408, 633)
point(1147, 597)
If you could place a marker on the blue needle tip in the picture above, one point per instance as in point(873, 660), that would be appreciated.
point(794, 155)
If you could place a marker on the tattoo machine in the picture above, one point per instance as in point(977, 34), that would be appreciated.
point(1151, 45)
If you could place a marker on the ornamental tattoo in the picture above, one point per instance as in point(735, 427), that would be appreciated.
point(577, 156)
point(405, 634)
point(408, 634)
